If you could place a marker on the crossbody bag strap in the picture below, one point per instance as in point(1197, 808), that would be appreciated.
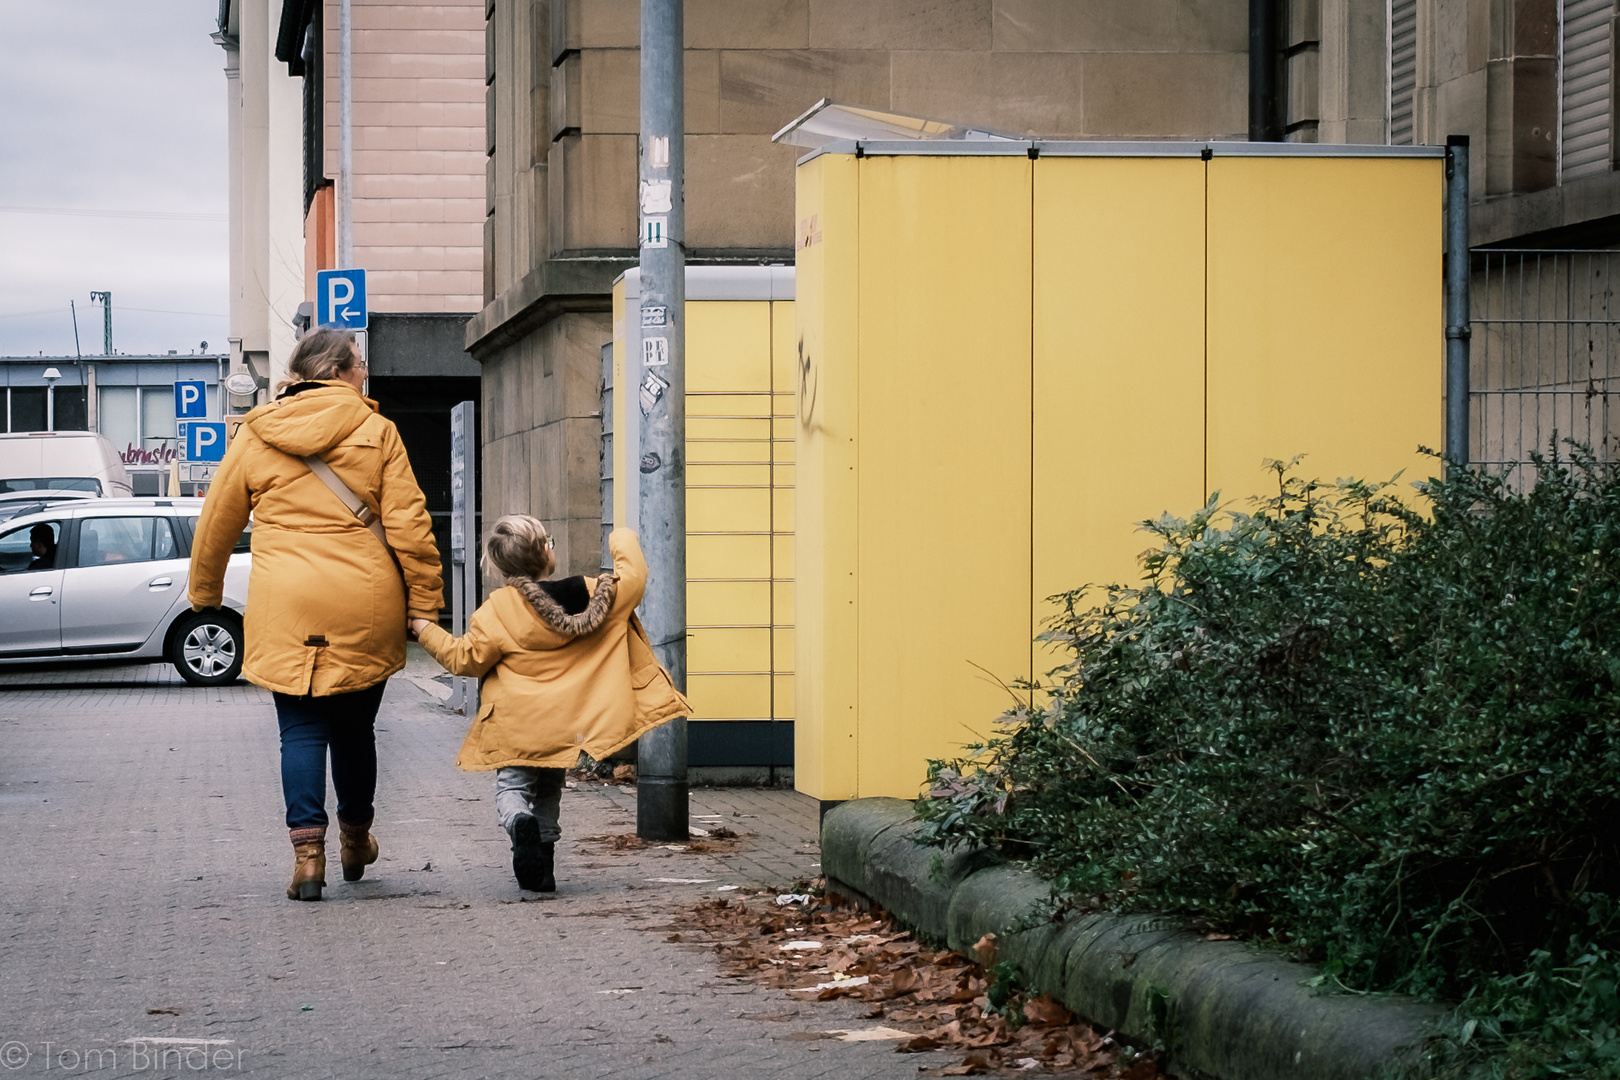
point(359, 509)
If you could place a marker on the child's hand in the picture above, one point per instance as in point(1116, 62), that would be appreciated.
point(414, 628)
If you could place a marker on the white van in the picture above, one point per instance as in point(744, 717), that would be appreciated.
point(62, 461)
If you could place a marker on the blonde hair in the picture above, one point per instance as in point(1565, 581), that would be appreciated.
point(516, 547)
point(319, 356)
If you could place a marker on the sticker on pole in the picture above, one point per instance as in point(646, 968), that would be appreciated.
point(654, 316)
point(653, 232)
point(652, 392)
point(340, 299)
point(657, 196)
point(655, 352)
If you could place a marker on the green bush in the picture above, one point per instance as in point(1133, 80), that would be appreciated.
point(1381, 738)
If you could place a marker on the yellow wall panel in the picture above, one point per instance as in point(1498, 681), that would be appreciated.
point(708, 428)
point(729, 346)
point(729, 650)
point(783, 696)
point(699, 475)
point(944, 456)
point(729, 697)
point(733, 405)
point(728, 603)
point(727, 556)
point(699, 452)
point(784, 352)
point(1325, 307)
point(1119, 364)
point(728, 509)
point(783, 598)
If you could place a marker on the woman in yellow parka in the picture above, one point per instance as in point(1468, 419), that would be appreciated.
point(566, 668)
point(327, 601)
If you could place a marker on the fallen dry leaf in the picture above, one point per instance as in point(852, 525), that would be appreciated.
point(940, 994)
point(985, 950)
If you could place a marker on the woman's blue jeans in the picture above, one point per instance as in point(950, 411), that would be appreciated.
point(310, 728)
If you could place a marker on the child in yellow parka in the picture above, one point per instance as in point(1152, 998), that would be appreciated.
point(564, 667)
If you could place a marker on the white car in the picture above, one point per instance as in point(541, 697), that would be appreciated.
point(105, 579)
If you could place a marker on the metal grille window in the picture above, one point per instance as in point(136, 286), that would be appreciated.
point(1545, 355)
point(1585, 94)
point(1402, 71)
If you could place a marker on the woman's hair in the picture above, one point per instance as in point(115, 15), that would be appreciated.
point(319, 356)
point(516, 547)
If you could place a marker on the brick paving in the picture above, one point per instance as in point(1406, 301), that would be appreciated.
point(142, 901)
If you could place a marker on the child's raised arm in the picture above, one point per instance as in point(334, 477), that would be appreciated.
point(472, 654)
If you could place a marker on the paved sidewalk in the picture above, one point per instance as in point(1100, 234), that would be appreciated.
point(143, 901)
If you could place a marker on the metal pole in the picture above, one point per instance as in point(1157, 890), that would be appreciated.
point(661, 788)
point(345, 252)
point(105, 300)
point(1458, 330)
point(1263, 71)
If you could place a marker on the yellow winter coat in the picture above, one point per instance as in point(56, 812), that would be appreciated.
point(550, 690)
point(326, 606)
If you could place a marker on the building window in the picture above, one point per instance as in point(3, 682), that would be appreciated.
point(1585, 94)
point(27, 408)
point(1402, 71)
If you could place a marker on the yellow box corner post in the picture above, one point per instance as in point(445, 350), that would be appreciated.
point(1326, 327)
point(739, 592)
point(914, 458)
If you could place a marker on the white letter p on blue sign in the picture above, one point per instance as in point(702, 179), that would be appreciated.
point(190, 400)
point(340, 299)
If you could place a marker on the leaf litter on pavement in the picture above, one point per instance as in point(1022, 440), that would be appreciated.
point(929, 999)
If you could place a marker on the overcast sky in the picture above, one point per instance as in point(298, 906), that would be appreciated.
point(112, 105)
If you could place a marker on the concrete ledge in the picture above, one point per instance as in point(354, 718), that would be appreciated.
point(1225, 1009)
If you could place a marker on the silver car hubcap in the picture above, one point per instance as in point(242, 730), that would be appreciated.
point(209, 650)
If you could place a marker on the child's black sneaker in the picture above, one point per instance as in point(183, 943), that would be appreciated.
point(531, 860)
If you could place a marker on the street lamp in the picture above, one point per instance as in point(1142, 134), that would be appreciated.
point(51, 375)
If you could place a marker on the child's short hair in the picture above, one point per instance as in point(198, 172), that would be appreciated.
point(518, 546)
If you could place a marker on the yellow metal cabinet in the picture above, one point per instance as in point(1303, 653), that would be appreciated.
point(739, 479)
point(1010, 354)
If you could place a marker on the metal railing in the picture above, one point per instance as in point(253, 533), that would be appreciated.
point(1545, 354)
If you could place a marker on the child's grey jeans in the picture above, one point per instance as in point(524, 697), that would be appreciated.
point(522, 789)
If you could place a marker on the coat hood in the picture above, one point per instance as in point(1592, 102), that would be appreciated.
point(312, 421)
point(553, 613)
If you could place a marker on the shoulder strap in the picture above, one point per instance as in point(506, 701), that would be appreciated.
point(324, 473)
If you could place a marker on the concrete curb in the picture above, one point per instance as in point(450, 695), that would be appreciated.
point(1226, 1010)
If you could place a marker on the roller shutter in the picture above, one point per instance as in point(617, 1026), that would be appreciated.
point(1586, 102)
point(1402, 69)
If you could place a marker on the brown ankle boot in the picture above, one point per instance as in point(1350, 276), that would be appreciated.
point(309, 867)
point(357, 849)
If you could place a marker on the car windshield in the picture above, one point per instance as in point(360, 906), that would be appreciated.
point(49, 483)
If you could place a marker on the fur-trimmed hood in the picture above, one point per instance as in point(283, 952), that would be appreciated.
point(569, 607)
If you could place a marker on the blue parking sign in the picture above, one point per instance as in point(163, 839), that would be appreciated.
point(191, 400)
point(340, 299)
point(204, 441)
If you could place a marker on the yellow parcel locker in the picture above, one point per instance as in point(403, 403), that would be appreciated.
point(1011, 353)
point(739, 587)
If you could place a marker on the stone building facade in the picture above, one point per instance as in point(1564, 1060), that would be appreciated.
point(563, 93)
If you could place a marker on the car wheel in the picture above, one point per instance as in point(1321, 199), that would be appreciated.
point(207, 649)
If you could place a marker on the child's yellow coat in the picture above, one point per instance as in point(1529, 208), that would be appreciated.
point(547, 696)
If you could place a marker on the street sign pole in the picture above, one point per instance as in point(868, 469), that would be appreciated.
point(661, 785)
point(463, 541)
